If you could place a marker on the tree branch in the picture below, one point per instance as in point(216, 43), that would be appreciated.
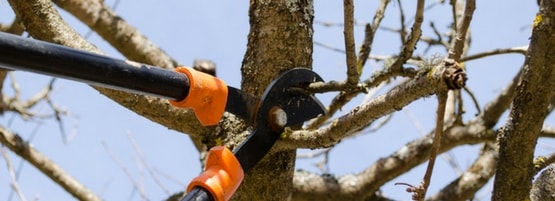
point(458, 44)
point(419, 192)
point(45, 165)
point(352, 72)
point(363, 184)
point(14, 28)
point(416, 32)
point(544, 186)
point(121, 35)
point(43, 22)
point(518, 139)
point(518, 50)
point(421, 86)
point(13, 177)
point(476, 176)
point(350, 88)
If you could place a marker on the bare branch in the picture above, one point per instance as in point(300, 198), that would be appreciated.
point(145, 163)
point(45, 165)
point(457, 46)
point(518, 50)
point(416, 32)
point(360, 185)
point(124, 37)
point(517, 142)
point(419, 192)
point(44, 22)
point(476, 131)
point(11, 172)
point(369, 33)
point(348, 12)
point(136, 185)
point(474, 99)
point(421, 86)
point(476, 176)
point(402, 30)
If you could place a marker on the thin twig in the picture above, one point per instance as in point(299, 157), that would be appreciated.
point(473, 179)
point(348, 17)
point(457, 47)
point(168, 177)
point(416, 32)
point(146, 165)
point(474, 99)
point(45, 165)
point(120, 164)
point(513, 50)
point(402, 31)
point(11, 172)
point(349, 92)
point(369, 34)
point(419, 192)
point(454, 14)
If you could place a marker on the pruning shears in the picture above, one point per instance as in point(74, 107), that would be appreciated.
point(283, 104)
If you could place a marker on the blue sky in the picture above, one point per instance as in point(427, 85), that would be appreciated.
point(217, 30)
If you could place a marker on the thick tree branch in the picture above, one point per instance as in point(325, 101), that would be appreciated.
point(280, 38)
point(45, 165)
point(125, 38)
point(517, 142)
point(121, 35)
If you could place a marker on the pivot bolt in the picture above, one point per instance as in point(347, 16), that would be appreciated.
point(278, 118)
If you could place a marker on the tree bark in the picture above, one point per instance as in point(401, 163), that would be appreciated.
point(280, 38)
point(517, 141)
point(544, 186)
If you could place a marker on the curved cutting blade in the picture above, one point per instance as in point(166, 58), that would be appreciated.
point(282, 93)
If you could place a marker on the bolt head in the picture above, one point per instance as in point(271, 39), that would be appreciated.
point(278, 118)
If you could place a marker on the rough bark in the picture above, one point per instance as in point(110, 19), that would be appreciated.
point(121, 35)
point(280, 38)
point(517, 141)
point(544, 186)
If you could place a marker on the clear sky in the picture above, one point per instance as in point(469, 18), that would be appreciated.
point(217, 30)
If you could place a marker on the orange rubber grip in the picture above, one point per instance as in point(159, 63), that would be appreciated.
point(207, 96)
point(222, 175)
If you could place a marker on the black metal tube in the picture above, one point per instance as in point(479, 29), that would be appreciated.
point(198, 194)
point(18, 53)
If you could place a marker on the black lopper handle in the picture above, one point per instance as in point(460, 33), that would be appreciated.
point(198, 194)
point(18, 53)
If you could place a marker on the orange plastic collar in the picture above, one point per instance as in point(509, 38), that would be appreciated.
point(207, 96)
point(222, 175)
